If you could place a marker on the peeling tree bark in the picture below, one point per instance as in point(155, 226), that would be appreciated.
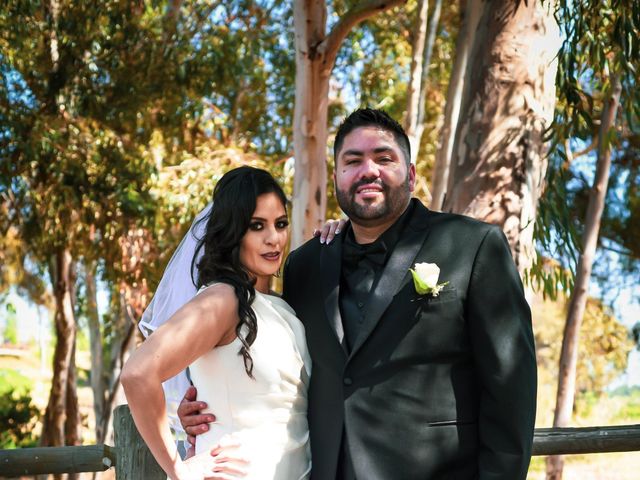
point(498, 164)
point(577, 305)
point(468, 26)
point(316, 53)
point(426, 62)
point(60, 416)
point(412, 115)
point(310, 121)
point(98, 384)
point(72, 421)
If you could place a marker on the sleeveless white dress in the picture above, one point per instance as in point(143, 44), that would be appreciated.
point(267, 414)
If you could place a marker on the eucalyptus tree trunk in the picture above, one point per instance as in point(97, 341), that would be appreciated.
point(499, 162)
point(98, 384)
point(316, 52)
point(577, 305)
point(124, 343)
point(61, 416)
point(124, 339)
point(470, 17)
point(422, 51)
point(426, 62)
point(72, 420)
point(412, 114)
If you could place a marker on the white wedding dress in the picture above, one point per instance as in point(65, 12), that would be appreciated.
point(268, 414)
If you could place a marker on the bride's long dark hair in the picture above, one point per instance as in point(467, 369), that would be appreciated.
point(234, 202)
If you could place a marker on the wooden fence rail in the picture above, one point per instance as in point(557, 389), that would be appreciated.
point(130, 456)
point(571, 441)
point(31, 461)
point(133, 460)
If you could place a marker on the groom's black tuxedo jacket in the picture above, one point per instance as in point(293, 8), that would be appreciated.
point(434, 387)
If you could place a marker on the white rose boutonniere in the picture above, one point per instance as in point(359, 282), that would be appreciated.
point(425, 278)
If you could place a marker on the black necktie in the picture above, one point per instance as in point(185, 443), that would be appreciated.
point(353, 253)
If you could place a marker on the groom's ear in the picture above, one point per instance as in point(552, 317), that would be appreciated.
point(412, 177)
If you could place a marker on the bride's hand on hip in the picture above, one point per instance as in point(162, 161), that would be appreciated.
point(223, 462)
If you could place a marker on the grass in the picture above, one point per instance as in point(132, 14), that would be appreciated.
point(630, 408)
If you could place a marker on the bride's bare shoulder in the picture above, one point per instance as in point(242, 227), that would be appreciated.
point(218, 296)
point(217, 289)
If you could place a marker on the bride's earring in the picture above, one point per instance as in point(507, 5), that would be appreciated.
point(278, 274)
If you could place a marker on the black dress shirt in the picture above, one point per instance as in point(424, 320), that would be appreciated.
point(362, 265)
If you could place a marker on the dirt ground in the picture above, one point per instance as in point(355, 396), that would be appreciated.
point(600, 466)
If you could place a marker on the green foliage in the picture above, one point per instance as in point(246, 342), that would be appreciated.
point(630, 412)
point(74, 175)
point(14, 271)
point(585, 403)
point(122, 72)
point(248, 73)
point(17, 420)
point(557, 236)
point(601, 40)
point(626, 391)
point(621, 224)
point(10, 334)
point(609, 345)
point(12, 380)
point(604, 349)
point(17, 415)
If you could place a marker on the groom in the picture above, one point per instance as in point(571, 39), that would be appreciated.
point(407, 384)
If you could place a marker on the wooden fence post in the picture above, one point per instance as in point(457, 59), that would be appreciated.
point(135, 461)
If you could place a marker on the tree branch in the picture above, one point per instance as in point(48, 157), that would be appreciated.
point(572, 156)
point(619, 251)
point(202, 17)
point(331, 44)
point(173, 10)
point(588, 149)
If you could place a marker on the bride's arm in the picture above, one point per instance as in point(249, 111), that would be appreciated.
point(208, 320)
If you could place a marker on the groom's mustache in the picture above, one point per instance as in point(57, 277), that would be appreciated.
point(366, 181)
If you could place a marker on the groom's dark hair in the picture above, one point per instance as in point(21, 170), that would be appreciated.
point(371, 117)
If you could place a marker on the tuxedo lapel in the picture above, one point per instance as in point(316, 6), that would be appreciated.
point(395, 272)
point(330, 267)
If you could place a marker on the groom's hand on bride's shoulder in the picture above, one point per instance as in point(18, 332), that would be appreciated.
point(193, 422)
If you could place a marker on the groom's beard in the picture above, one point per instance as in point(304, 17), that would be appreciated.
point(394, 203)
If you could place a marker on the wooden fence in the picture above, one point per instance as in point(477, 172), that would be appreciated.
point(132, 459)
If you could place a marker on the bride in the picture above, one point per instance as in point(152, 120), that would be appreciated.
point(244, 348)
